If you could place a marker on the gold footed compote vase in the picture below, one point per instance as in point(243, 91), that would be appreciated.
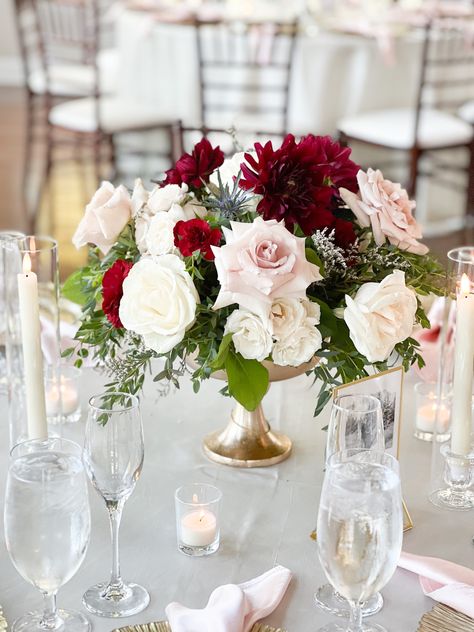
point(248, 440)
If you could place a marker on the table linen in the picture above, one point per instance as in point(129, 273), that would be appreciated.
point(267, 515)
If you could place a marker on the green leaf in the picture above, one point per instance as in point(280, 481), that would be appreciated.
point(312, 257)
point(220, 359)
point(247, 380)
point(73, 288)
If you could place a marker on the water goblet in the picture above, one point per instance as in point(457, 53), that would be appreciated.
point(113, 457)
point(360, 529)
point(47, 526)
point(356, 422)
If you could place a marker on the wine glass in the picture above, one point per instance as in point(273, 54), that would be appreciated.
point(356, 422)
point(360, 529)
point(113, 457)
point(47, 526)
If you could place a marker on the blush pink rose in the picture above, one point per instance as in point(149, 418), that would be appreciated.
point(260, 262)
point(385, 206)
point(105, 217)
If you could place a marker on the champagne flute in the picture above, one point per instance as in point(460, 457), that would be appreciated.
point(360, 529)
point(113, 457)
point(356, 422)
point(47, 526)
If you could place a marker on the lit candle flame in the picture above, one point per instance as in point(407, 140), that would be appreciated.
point(465, 285)
point(32, 243)
point(195, 499)
point(26, 264)
point(201, 516)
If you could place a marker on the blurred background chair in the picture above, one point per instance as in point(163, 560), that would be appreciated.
point(433, 125)
point(75, 77)
point(245, 73)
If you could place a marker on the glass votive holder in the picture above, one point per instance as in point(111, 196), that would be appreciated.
point(62, 394)
point(457, 487)
point(197, 519)
point(432, 413)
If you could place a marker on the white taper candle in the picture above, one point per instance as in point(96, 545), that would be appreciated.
point(32, 355)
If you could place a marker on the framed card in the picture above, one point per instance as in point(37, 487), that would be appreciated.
point(388, 388)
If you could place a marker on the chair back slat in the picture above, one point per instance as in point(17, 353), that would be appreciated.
point(245, 69)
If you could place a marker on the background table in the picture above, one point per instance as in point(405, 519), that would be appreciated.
point(268, 514)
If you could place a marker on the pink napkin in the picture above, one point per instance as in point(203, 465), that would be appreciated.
point(233, 607)
point(443, 581)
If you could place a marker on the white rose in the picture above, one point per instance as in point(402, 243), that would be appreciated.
point(163, 198)
point(229, 170)
point(250, 335)
point(139, 197)
point(142, 224)
point(159, 302)
point(297, 348)
point(192, 210)
point(159, 237)
point(380, 316)
point(287, 314)
point(105, 217)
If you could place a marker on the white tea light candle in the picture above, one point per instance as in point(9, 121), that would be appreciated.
point(64, 399)
point(197, 519)
point(461, 416)
point(32, 354)
point(198, 528)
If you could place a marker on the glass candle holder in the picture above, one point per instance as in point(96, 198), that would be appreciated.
point(433, 412)
point(197, 519)
point(451, 479)
point(62, 393)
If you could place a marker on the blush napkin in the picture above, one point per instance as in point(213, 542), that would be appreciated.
point(233, 607)
point(443, 581)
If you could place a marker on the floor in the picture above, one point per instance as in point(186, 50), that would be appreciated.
point(60, 214)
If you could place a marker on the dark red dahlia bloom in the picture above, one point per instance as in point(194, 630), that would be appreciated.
point(298, 181)
point(112, 290)
point(196, 234)
point(196, 167)
point(344, 233)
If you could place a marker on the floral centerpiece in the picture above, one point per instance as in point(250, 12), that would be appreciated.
point(279, 254)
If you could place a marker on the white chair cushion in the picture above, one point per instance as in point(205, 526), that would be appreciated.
point(466, 112)
point(75, 80)
point(396, 129)
point(116, 115)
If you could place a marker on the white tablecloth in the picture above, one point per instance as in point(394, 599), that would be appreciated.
point(334, 74)
point(267, 515)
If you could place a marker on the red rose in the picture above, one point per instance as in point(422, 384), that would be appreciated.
point(112, 291)
point(196, 167)
point(196, 234)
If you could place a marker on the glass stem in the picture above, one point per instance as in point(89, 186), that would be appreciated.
point(115, 515)
point(355, 618)
point(50, 617)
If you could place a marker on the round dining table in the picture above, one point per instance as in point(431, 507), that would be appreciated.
point(267, 514)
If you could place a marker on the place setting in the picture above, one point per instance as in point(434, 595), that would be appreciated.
point(236, 337)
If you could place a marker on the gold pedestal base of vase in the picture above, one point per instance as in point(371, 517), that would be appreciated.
point(247, 441)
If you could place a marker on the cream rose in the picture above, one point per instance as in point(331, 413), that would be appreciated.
point(163, 198)
point(139, 197)
point(250, 334)
point(159, 236)
point(105, 217)
point(385, 206)
point(260, 262)
point(229, 170)
point(159, 301)
point(380, 316)
point(297, 348)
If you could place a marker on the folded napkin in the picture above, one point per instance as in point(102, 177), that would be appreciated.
point(233, 607)
point(443, 581)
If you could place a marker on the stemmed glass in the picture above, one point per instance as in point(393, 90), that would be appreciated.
point(47, 526)
point(360, 529)
point(113, 457)
point(356, 422)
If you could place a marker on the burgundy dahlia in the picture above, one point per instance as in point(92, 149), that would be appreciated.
point(196, 234)
point(112, 290)
point(196, 167)
point(298, 181)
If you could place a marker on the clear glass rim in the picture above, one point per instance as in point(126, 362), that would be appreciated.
point(43, 243)
point(216, 490)
point(376, 405)
point(134, 402)
point(43, 443)
point(61, 368)
point(455, 255)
